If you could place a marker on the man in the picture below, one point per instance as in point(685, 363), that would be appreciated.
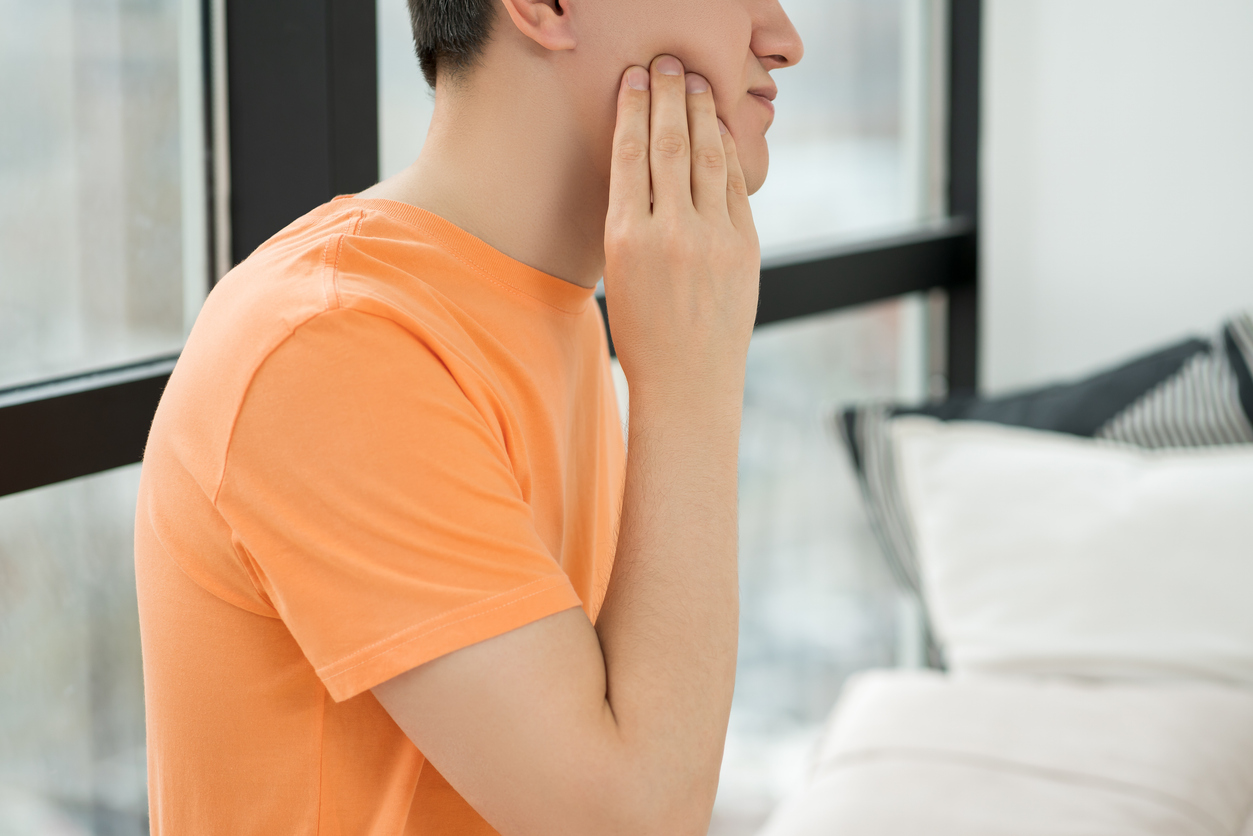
point(384, 583)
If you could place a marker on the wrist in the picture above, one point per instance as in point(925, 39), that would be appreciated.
point(710, 410)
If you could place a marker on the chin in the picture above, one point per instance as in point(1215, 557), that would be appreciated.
point(755, 164)
point(755, 179)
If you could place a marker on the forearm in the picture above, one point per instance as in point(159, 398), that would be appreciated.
point(668, 627)
point(681, 274)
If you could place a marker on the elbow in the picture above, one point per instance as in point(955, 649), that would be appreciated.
point(643, 820)
point(689, 822)
point(611, 806)
point(627, 792)
point(658, 807)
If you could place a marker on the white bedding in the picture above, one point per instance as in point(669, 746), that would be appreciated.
point(1047, 554)
point(918, 752)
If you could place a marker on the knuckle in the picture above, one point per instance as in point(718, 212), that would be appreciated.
point(736, 184)
point(708, 159)
point(635, 105)
point(670, 145)
point(630, 151)
point(619, 236)
point(678, 247)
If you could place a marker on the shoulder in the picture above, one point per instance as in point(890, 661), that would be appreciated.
point(325, 292)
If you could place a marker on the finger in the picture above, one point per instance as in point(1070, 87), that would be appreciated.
point(709, 162)
point(737, 187)
point(629, 178)
point(669, 147)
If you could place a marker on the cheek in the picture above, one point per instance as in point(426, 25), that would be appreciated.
point(615, 39)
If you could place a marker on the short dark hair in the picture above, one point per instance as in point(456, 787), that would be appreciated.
point(449, 33)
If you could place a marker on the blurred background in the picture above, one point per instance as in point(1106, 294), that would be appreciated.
point(1106, 125)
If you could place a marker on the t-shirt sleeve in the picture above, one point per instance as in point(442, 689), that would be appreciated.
point(376, 506)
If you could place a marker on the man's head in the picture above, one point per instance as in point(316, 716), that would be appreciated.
point(580, 48)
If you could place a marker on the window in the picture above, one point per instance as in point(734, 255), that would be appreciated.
point(853, 148)
point(816, 600)
point(854, 151)
point(72, 755)
point(852, 145)
point(405, 101)
point(106, 190)
point(851, 153)
point(104, 233)
point(102, 184)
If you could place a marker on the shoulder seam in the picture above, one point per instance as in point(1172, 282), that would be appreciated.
point(230, 436)
point(238, 409)
point(330, 261)
point(217, 490)
point(330, 265)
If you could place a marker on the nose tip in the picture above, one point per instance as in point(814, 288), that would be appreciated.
point(795, 50)
point(781, 42)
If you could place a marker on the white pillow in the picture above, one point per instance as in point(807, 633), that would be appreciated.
point(917, 752)
point(1048, 554)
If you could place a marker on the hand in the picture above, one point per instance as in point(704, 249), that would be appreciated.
point(682, 269)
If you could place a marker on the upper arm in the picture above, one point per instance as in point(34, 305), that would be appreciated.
point(376, 507)
point(520, 727)
point(379, 512)
point(380, 515)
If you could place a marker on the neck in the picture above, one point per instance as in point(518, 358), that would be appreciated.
point(511, 168)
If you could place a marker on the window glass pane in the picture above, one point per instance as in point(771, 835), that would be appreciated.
point(102, 187)
point(850, 147)
point(816, 599)
point(405, 102)
point(72, 756)
point(853, 151)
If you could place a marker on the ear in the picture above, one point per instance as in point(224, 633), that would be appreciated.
point(543, 21)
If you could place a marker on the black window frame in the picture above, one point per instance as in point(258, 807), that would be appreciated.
point(303, 128)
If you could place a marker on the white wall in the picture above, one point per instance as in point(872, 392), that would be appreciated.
point(1118, 179)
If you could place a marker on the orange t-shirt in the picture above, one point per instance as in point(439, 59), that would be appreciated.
point(384, 441)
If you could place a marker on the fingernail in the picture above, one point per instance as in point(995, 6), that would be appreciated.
point(696, 83)
point(637, 78)
point(722, 127)
point(669, 65)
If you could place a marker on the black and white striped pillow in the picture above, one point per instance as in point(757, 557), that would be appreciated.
point(1192, 394)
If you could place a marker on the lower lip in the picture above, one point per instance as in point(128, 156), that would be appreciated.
point(769, 104)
